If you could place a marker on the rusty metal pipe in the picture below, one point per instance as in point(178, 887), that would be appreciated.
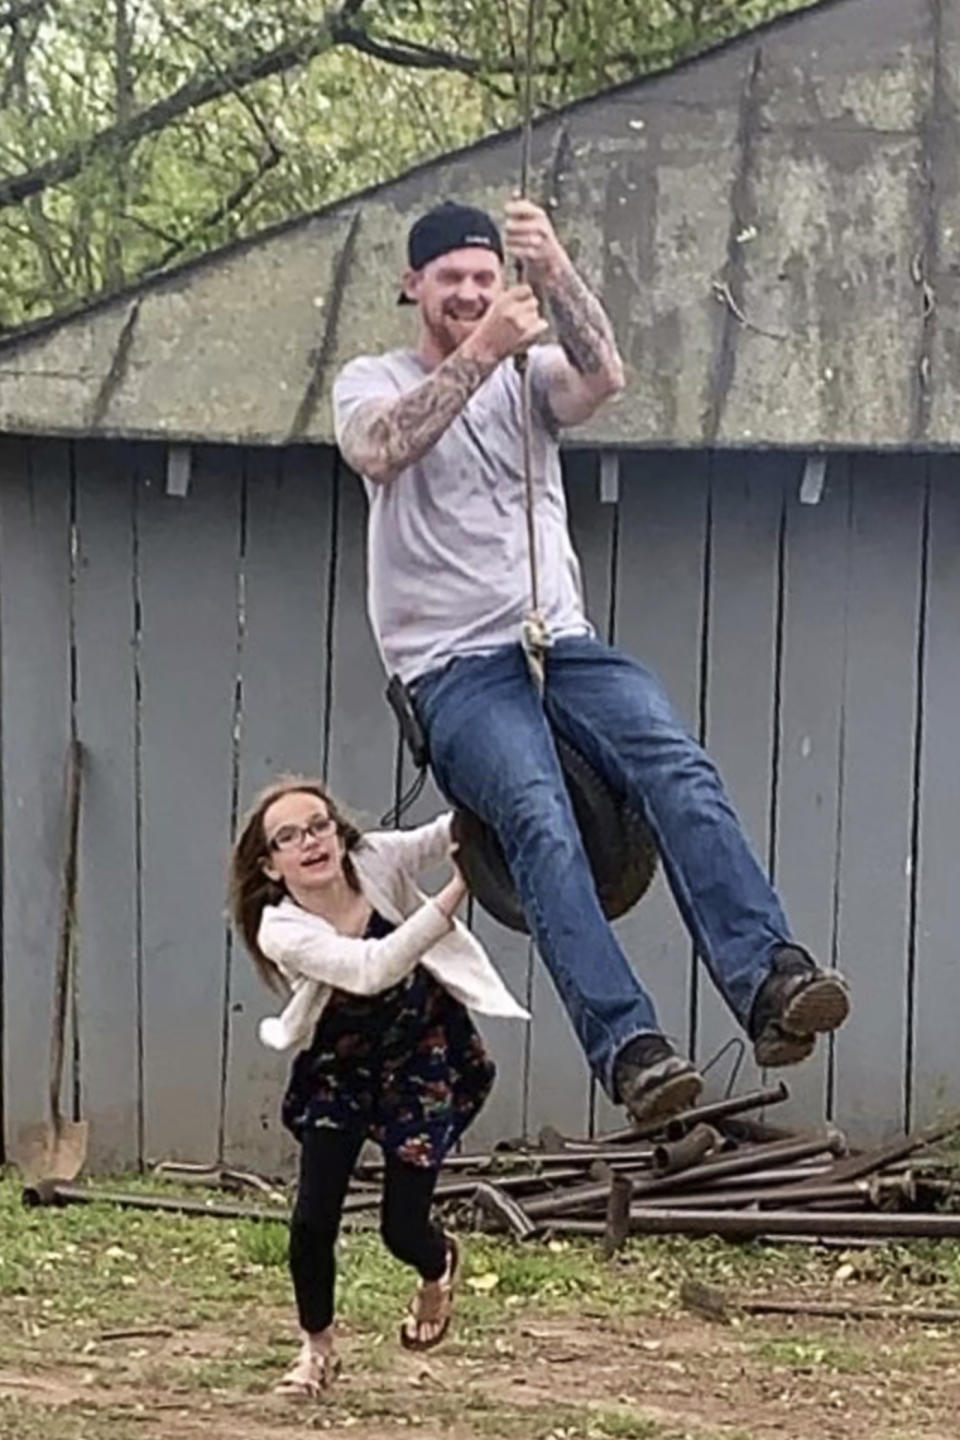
point(786, 1175)
point(487, 1164)
point(506, 1163)
point(500, 1206)
point(634, 1155)
point(678, 1126)
point(618, 1214)
point(857, 1167)
point(583, 1196)
point(676, 1155)
point(727, 1109)
point(510, 1181)
point(748, 1225)
point(52, 1192)
point(461, 1189)
point(764, 1197)
point(746, 1162)
point(748, 1130)
point(577, 1198)
point(925, 1314)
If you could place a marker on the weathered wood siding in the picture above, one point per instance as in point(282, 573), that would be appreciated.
point(204, 643)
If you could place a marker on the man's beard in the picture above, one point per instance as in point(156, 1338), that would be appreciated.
point(445, 331)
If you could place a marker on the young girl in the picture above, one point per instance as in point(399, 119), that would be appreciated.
point(380, 977)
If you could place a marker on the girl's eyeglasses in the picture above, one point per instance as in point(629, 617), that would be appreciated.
point(291, 837)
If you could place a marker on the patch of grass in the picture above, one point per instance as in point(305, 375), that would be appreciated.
point(111, 1266)
point(245, 1367)
point(815, 1353)
point(499, 1420)
point(263, 1244)
point(28, 1420)
point(624, 1425)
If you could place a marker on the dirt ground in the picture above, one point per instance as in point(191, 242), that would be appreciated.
point(112, 1328)
point(543, 1378)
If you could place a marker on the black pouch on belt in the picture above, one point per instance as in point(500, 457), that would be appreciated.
point(414, 737)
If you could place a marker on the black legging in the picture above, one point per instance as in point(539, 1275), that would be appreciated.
point(327, 1158)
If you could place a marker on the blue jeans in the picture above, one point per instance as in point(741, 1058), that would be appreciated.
point(491, 751)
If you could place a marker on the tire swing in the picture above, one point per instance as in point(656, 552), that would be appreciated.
point(617, 840)
point(616, 837)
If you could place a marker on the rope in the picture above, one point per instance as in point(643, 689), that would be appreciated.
point(536, 632)
point(526, 148)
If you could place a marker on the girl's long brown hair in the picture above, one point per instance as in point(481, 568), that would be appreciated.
point(251, 888)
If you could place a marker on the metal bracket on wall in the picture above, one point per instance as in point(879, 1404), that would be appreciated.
point(179, 466)
point(814, 479)
point(609, 477)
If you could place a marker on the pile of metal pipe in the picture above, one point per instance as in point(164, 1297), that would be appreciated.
point(719, 1169)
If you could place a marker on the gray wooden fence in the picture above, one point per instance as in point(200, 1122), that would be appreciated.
point(203, 643)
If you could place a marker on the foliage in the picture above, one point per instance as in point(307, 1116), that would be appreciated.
point(137, 133)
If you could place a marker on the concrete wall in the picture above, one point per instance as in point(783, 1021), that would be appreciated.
point(204, 642)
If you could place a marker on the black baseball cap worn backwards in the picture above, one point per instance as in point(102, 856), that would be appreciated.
point(449, 226)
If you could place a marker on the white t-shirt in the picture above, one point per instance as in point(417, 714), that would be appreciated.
point(448, 569)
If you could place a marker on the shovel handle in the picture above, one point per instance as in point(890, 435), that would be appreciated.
point(63, 972)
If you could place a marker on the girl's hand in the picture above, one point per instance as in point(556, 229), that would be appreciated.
point(453, 894)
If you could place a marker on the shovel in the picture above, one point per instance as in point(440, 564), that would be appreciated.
point(56, 1150)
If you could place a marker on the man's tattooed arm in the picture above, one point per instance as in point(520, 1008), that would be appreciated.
point(382, 438)
point(583, 328)
point(593, 371)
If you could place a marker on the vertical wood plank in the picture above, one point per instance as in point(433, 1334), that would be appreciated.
point(746, 511)
point(659, 607)
point(876, 800)
point(935, 1050)
point(289, 544)
point(35, 571)
point(505, 1114)
point(188, 561)
point(363, 745)
point(592, 526)
point(106, 724)
point(816, 584)
point(559, 1091)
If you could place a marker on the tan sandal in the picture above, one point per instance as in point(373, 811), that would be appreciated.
point(436, 1310)
point(309, 1376)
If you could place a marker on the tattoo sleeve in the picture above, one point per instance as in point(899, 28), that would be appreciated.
point(582, 326)
point(381, 439)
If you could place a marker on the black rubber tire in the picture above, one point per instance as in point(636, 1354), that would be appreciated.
point(617, 840)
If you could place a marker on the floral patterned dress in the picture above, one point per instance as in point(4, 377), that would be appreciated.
point(406, 1068)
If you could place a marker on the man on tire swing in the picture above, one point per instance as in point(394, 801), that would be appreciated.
point(436, 434)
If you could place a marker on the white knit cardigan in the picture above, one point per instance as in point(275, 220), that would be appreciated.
point(315, 960)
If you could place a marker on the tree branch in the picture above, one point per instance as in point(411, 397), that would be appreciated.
point(411, 54)
point(22, 39)
point(196, 92)
point(268, 160)
point(397, 50)
point(157, 231)
point(215, 66)
point(21, 11)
